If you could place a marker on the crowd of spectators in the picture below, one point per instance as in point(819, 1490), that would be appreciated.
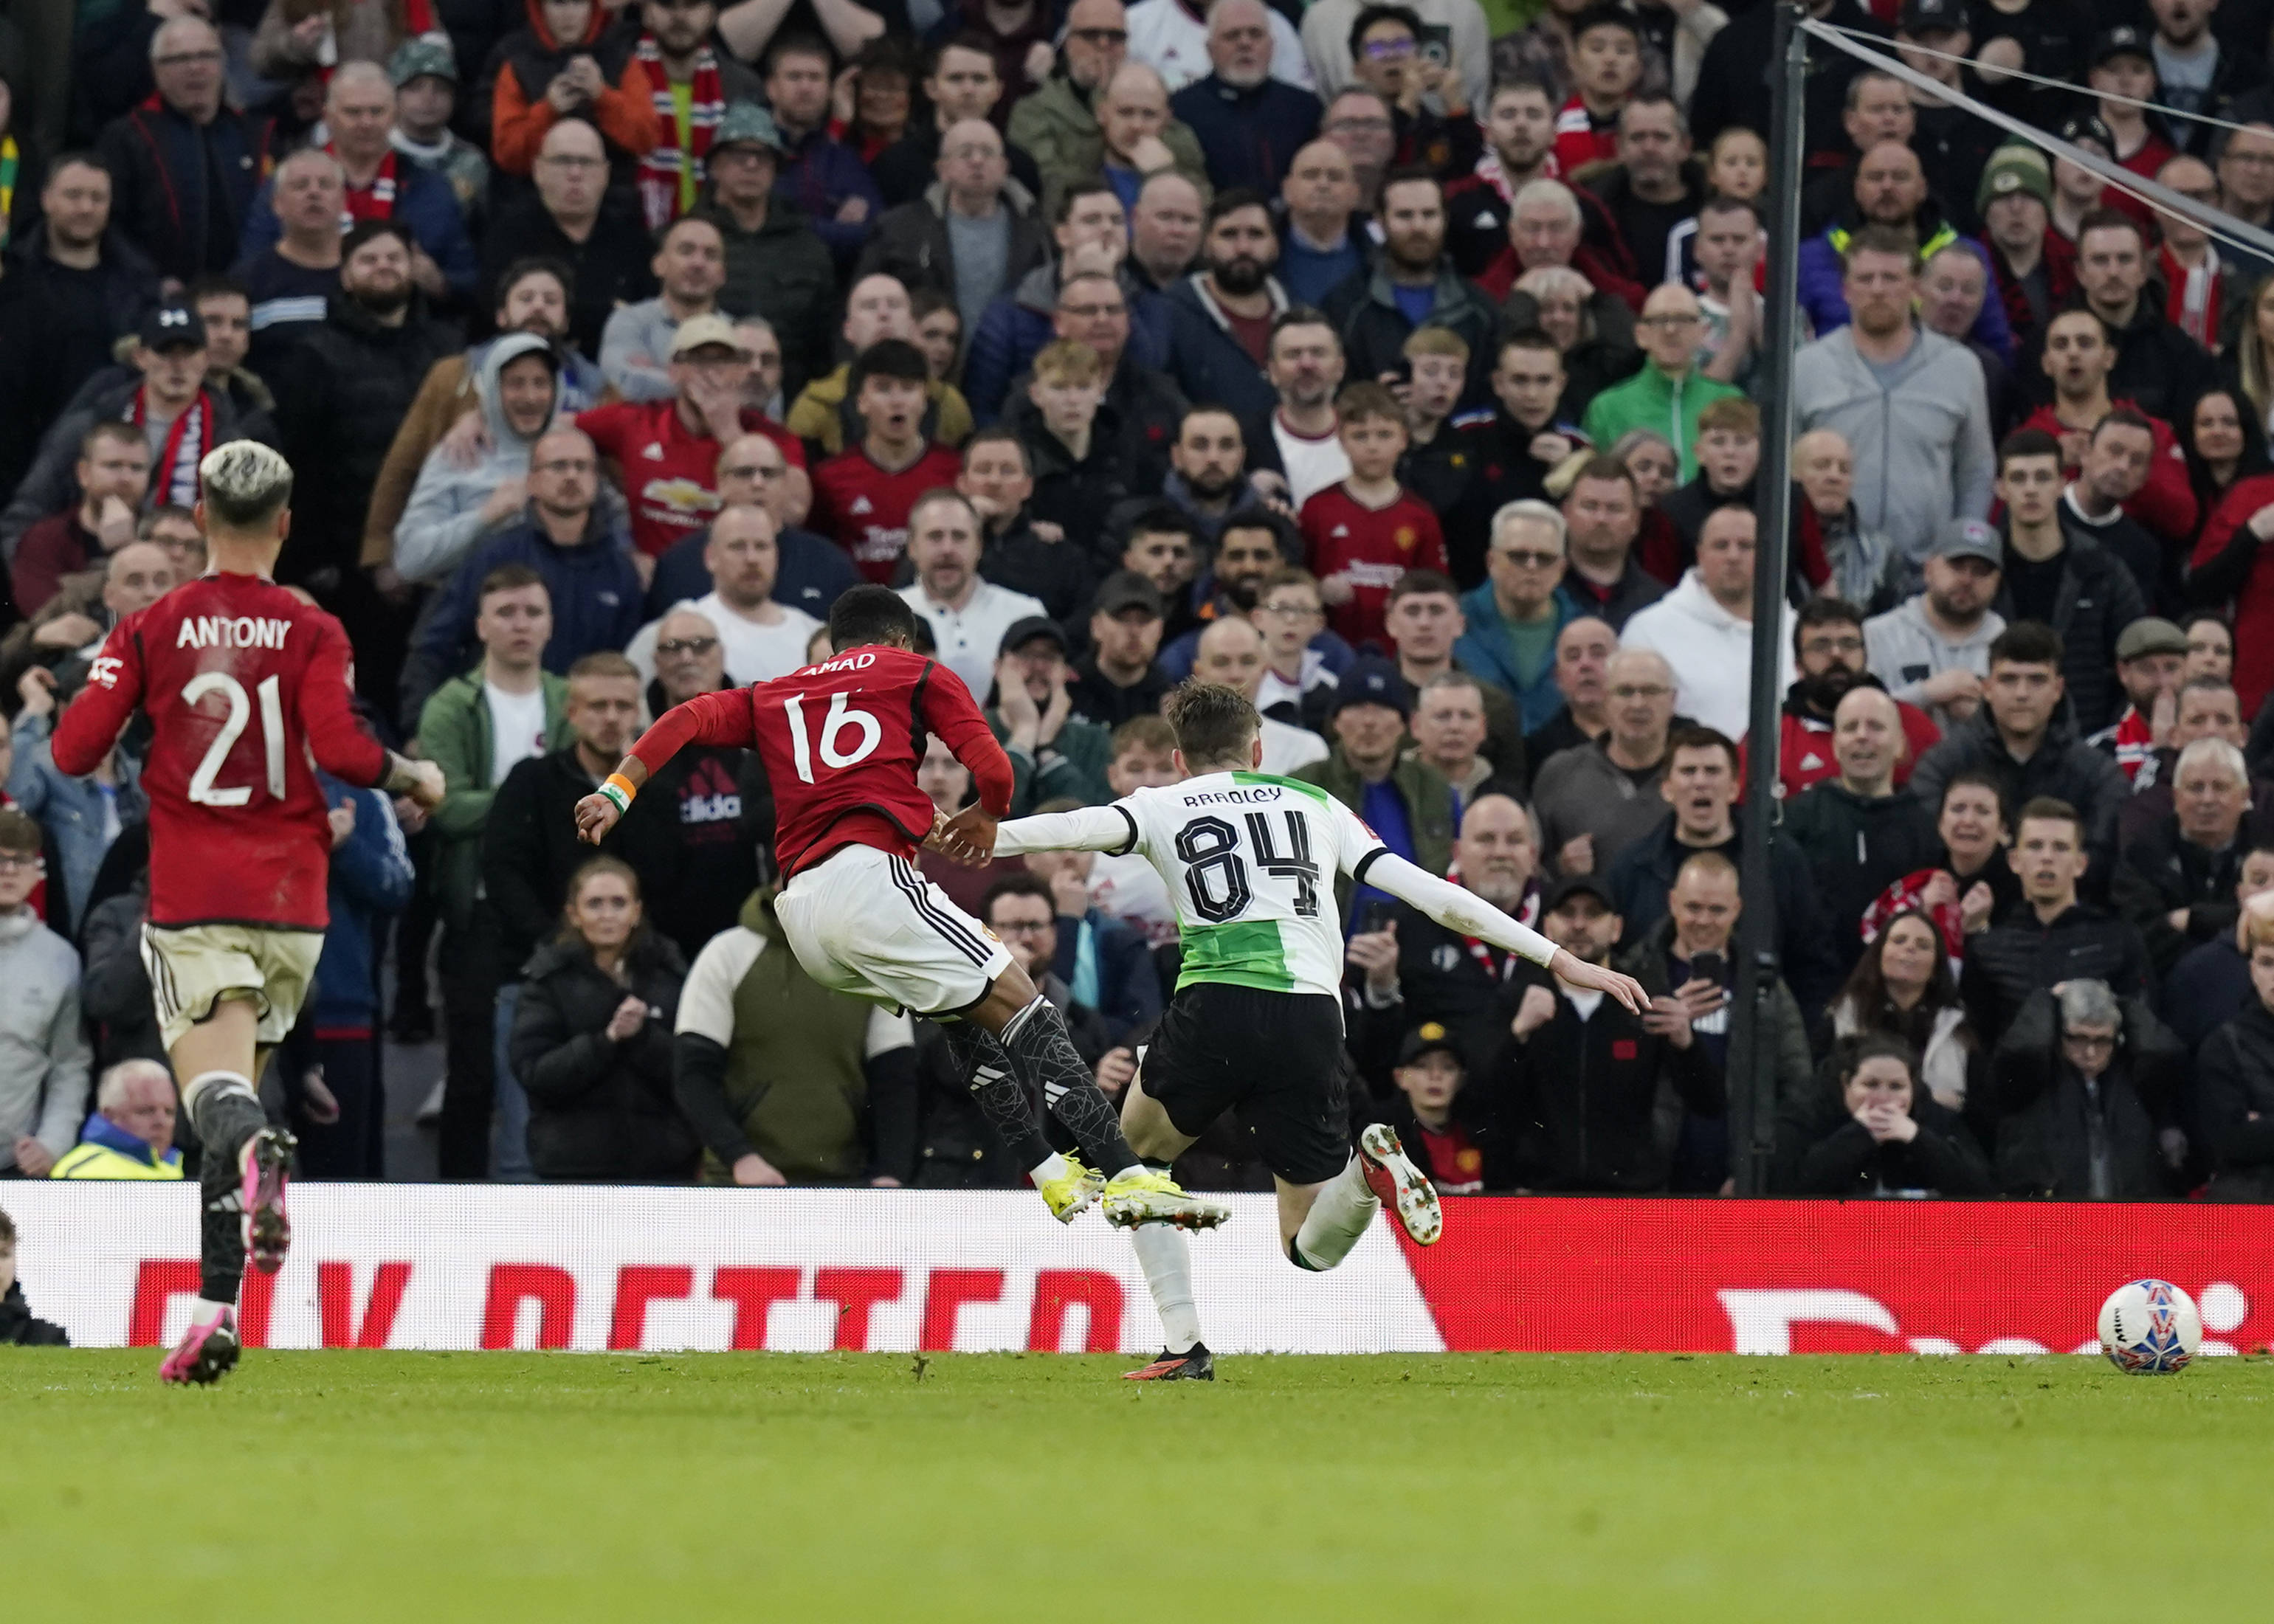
point(1397, 364)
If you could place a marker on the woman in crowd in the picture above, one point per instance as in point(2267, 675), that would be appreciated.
point(1902, 989)
point(872, 99)
point(591, 1042)
point(2210, 646)
point(1651, 458)
point(2250, 361)
point(2225, 441)
point(1893, 1137)
point(1593, 331)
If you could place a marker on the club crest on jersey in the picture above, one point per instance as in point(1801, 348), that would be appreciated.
point(105, 670)
point(223, 631)
point(1406, 537)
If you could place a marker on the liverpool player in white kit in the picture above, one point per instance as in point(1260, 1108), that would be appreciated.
point(840, 741)
point(248, 690)
point(1256, 1025)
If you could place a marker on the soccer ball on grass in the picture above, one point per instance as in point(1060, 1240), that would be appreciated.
point(2150, 1327)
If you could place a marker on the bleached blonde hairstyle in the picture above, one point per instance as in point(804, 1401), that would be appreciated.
point(243, 483)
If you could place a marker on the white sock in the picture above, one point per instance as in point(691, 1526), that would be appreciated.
point(1054, 1167)
point(1336, 1219)
point(1134, 1168)
point(205, 1311)
point(1167, 1260)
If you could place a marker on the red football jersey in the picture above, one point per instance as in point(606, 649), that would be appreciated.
point(249, 691)
point(1372, 547)
point(865, 508)
point(670, 473)
point(841, 741)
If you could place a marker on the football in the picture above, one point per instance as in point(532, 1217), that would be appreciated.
point(2150, 1327)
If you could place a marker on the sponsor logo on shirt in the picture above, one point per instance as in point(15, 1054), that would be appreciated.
point(105, 671)
point(861, 505)
point(680, 498)
point(653, 451)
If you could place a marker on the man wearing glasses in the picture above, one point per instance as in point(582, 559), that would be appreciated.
point(1513, 617)
point(1670, 391)
point(184, 146)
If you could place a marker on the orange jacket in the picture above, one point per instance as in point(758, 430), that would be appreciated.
point(624, 111)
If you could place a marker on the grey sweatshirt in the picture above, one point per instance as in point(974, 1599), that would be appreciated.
point(43, 1052)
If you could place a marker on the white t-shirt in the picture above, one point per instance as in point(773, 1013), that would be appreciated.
point(1286, 749)
point(1311, 465)
point(517, 727)
point(967, 640)
point(1173, 42)
point(754, 653)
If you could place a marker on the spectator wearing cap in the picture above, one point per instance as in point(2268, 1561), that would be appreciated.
point(1933, 649)
point(1402, 799)
point(2122, 65)
point(1412, 970)
point(184, 164)
point(2056, 571)
point(970, 615)
point(2077, 190)
point(1583, 1083)
point(690, 268)
point(382, 184)
point(454, 505)
point(1442, 1127)
point(1055, 755)
point(669, 449)
point(425, 72)
point(1953, 142)
point(2152, 655)
point(1831, 662)
point(777, 265)
point(1703, 627)
point(131, 1135)
point(575, 220)
point(2034, 268)
point(179, 415)
point(1120, 678)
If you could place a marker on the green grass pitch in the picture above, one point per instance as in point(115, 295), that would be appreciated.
point(431, 1487)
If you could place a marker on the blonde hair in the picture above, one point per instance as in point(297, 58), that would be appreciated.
point(243, 483)
point(2251, 360)
point(1067, 361)
point(1431, 340)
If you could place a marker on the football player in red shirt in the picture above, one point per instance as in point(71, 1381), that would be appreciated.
point(248, 690)
point(1362, 534)
point(841, 741)
point(862, 495)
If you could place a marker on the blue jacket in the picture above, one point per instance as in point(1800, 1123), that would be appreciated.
point(72, 812)
point(812, 572)
point(1016, 325)
point(596, 599)
point(1206, 360)
point(371, 876)
point(423, 202)
point(1250, 135)
point(1107, 965)
point(1486, 652)
point(1827, 307)
point(817, 177)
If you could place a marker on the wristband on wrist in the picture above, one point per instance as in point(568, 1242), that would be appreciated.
point(619, 791)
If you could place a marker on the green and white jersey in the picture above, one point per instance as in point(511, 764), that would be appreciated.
point(1250, 860)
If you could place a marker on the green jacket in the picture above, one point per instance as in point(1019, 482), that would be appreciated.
point(1428, 807)
point(1650, 400)
point(453, 733)
point(1059, 129)
point(1072, 765)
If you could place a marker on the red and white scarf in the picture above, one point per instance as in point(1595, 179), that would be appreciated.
point(1495, 174)
point(375, 201)
point(659, 168)
point(175, 476)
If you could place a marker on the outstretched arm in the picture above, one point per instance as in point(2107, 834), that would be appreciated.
point(1471, 916)
point(721, 718)
point(1086, 828)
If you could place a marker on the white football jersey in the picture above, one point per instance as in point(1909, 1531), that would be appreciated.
point(1250, 860)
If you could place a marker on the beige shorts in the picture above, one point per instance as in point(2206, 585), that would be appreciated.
point(193, 967)
point(865, 922)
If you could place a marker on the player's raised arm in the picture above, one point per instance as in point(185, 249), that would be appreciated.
point(1085, 829)
point(1464, 911)
point(726, 717)
point(91, 723)
point(336, 739)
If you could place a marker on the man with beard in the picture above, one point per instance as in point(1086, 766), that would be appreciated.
point(1248, 123)
point(1511, 450)
point(1252, 548)
point(2033, 265)
point(1890, 191)
point(1519, 127)
point(1829, 646)
point(1220, 317)
point(1932, 650)
point(2158, 367)
point(1326, 244)
point(1206, 484)
point(1411, 284)
point(341, 394)
point(2078, 357)
point(1299, 445)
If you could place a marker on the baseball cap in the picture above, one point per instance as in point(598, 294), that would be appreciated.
point(423, 58)
point(1578, 885)
point(1126, 589)
point(697, 331)
point(1959, 538)
point(1024, 632)
point(173, 326)
point(1424, 1038)
point(2013, 169)
point(2151, 635)
point(1918, 17)
point(2124, 40)
point(1372, 681)
point(748, 122)
point(2088, 127)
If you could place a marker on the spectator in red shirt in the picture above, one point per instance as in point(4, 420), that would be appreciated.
point(667, 452)
point(1428, 1113)
point(862, 497)
point(2124, 64)
point(1606, 67)
point(1362, 534)
point(2079, 355)
point(114, 476)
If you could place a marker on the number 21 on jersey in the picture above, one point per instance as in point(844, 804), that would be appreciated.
point(202, 789)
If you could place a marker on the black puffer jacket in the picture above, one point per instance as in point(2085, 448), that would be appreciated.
point(19, 1327)
point(2065, 767)
point(1845, 1161)
point(2098, 596)
point(2234, 1096)
point(2019, 957)
point(342, 392)
point(2161, 872)
point(2061, 1137)
point(1855, 848)
point(601, 1112)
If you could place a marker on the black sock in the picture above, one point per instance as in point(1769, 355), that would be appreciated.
point(1040, 1046)
point(224, 1120)
point(987, 1071)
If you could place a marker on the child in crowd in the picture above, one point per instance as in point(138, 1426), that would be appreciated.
point(1362, 534)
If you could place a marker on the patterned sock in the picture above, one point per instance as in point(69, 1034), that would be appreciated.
point(1167, 1260)
point(1336, 1219)
point(226, 1114)
point(1041, 1050)
point(1001, 1100)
